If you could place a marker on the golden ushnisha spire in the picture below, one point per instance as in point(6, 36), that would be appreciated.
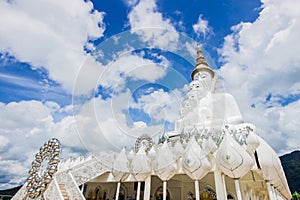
point(201, 64)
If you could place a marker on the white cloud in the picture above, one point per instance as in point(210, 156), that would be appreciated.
point(146, 21)
point(130, 2)
point(99, 125)
point(87, 76)
point(262, 58)
point(4, 143)
point(160, 105)
point(50, 34)
point(106, 124)
point(31, 123)
point(12, 172)
point(201, 27)
point(24, 127)
point(18, 80)
point(289, 124)
point(132, 66)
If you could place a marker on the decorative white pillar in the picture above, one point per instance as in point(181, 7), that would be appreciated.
point(221, 194)
point(197, 190)
point(82, 187)
point(138, 193)
point(147, 189)
point(271, 196)
point(165, 190)
point(238, 189)
point(251, 192)
point(224, 185)
point(274, 193)
point(248, 194)
point(118, 190)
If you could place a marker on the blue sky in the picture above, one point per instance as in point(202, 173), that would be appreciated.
point(97, 74)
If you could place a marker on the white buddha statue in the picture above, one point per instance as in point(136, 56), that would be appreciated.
point(203, 107)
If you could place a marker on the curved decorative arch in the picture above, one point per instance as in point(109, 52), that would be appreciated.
point(230, 196)
point(97, 195)
point(208, 193)
point(145, 141)
point(122, 193)
point(158, 193)
point(90, 194)
point(105, 194)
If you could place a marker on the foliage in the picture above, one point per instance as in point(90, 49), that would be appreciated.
point(9, 192)
point(296, 196)
point(291, 166)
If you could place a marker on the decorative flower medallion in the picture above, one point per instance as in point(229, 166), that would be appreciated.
point(144, 141)
point(43, 168)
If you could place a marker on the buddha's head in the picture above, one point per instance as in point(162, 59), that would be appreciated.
point(202, 73)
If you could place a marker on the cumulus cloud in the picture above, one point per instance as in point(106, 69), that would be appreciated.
point(132, 66)
point(98, 125)
point(146, 21)
point(106, 124)
point(262, 68)
point(160, 105)
point(130, 2)
point(101, 123)
point(23, 124)
point(201, 27)
point(24, 127)
point(50, 34)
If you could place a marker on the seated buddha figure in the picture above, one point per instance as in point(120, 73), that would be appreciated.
point(203, 107)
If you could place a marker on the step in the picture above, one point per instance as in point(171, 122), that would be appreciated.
point(63, 191)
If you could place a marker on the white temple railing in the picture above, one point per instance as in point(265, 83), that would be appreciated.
point(84, 173)
point(70, 184)
point(75, 189)
point(53, 191)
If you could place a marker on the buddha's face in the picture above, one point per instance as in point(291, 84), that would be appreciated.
point(198, 89)
point(205, 78)
point(201, 84)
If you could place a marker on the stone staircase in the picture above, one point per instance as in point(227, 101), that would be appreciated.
point(63, 191)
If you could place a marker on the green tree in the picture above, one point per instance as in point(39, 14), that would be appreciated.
point(296, 196)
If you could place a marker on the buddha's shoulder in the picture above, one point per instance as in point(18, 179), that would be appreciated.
point(219, 95)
